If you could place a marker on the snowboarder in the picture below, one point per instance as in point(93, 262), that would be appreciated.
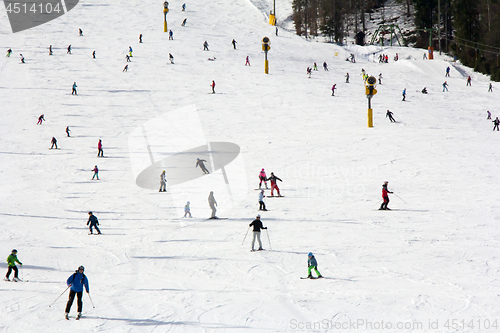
point(213, 87)
point(93, 54)
point(385, 196)
point(125, 69)
point(96, 173)
point(247, 61)
point(424, 91)
point(315, 67)
point(184, 22)
point(490, 88)
point(100, 152)
point(380, 78)
point(447, 72)
point(76, 282)
point(389, 114)
point(93, 223)
point(312, 264)
point(212, 203)
point(469, 79)
point(496, 122)
point(489, 114)
point(67, 131)
point(73, 90)
point(262, 205)
point(80, 32)
point(140, 38)
point(68, 49)
point(445, 86)
point(171, 58)
point(325, 66)
point(234, 44)
point(333, 89)
point(130, 51)
point(187, 210)
point(262, 178)
point(404, 94)
point(22, 58)
point(202, 166)
point(11, 260)
point(170, 35)
point(40, 119)
point(346, 77)
point(205, 46)
point(50, 50)
point(163, 182)
point(257, 225)
point(9, 52)
point(54, 143)
point(274, 186)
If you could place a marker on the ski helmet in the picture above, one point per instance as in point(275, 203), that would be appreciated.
point(386, 182)
point(81, 268)
point(188, 202)
point(258, 216)
point(310, 254)
point(14, 251)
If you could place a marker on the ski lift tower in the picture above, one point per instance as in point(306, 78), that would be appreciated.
point(384, 29)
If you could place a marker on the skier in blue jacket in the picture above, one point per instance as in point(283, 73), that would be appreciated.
point(312, 264)
point(76, 282)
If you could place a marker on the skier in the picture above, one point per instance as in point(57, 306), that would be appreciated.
point(67, 131)
point(404, 94)
point(80, 32)
point(263, 178)
point(40, 119)
point(187, 210)
point(445, 86)
point(234, 44)
point(100, 152)
point(489, 114)
point(276, 31)
point(171, 58)
point(9, 52)
point(11, 260)
point(490, 88)
point(346, 77)
point(140, 38)
point(309, 72)
point(385, 196)
point(96, 173)
point(333, 89)
point(424, 57)
point(496, 122)
point(127, 57)
point(130, 51)
point(469, 79)
point(212, 203)
point(205, 46)
point(380, 78)
point(93, 54)
point(447, 72)
point(247, 61)
point(54, 143)
point(257, 225)
point(76, 282)
point(274, 186)
point(125, 69)
point(69, 49)
point(213, 87)
point(202, 166)
point(170, 35)
point(50, 50)
point(184, 7)
point(184, 22)
point(315, 67)
point(73, 91)
point(389, 114)
point(325, 66)
point(396, 57)
point(93, 223)
point(262, 205)
point(22, 58)
point(312, 264)
point(163, 182)
point(363, 73)
point(424, 91)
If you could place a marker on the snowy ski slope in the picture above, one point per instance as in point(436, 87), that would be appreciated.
point(434, 258)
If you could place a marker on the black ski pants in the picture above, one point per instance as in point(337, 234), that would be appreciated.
point(79, 302)
point(385, 203)
point(262, 205)
point(12, 268)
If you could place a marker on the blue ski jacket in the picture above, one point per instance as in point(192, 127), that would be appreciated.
point(312, 262)
point(77, 281)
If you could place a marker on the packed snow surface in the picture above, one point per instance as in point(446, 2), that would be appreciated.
point(430, 263)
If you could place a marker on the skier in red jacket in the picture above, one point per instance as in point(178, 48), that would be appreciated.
point(385, 196)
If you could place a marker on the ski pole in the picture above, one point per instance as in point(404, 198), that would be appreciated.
point(245, 236)
point(267, 233)
point(22, 272)
point(91, 300)
point(399, 197)
point(59, 296)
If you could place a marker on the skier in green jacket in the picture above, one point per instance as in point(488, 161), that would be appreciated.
point(11, 260)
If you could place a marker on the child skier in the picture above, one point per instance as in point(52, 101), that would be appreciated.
point(96, 173)
point(93, 223)
point(9, 52)
point(385, 196)
point(130, 51)
point(11, 260)
point(262, 178)
point(489, 114)
point(76, 282)
point(187, 210)
point(262, 205)
point(312, 264)
point(315, 67)
point(274, 186)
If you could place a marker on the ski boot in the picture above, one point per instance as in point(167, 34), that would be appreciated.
point(16, 279)
point(78, 316)
point(6, 279)
point(309, 276)
point(66, 316)
point(320, 276)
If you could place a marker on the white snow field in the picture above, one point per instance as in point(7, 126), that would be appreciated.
point(430, 265)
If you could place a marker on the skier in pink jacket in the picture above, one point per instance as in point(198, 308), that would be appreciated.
point(263, 178)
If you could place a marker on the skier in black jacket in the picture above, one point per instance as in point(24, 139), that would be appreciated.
point(257, 225)
point(93, 222)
